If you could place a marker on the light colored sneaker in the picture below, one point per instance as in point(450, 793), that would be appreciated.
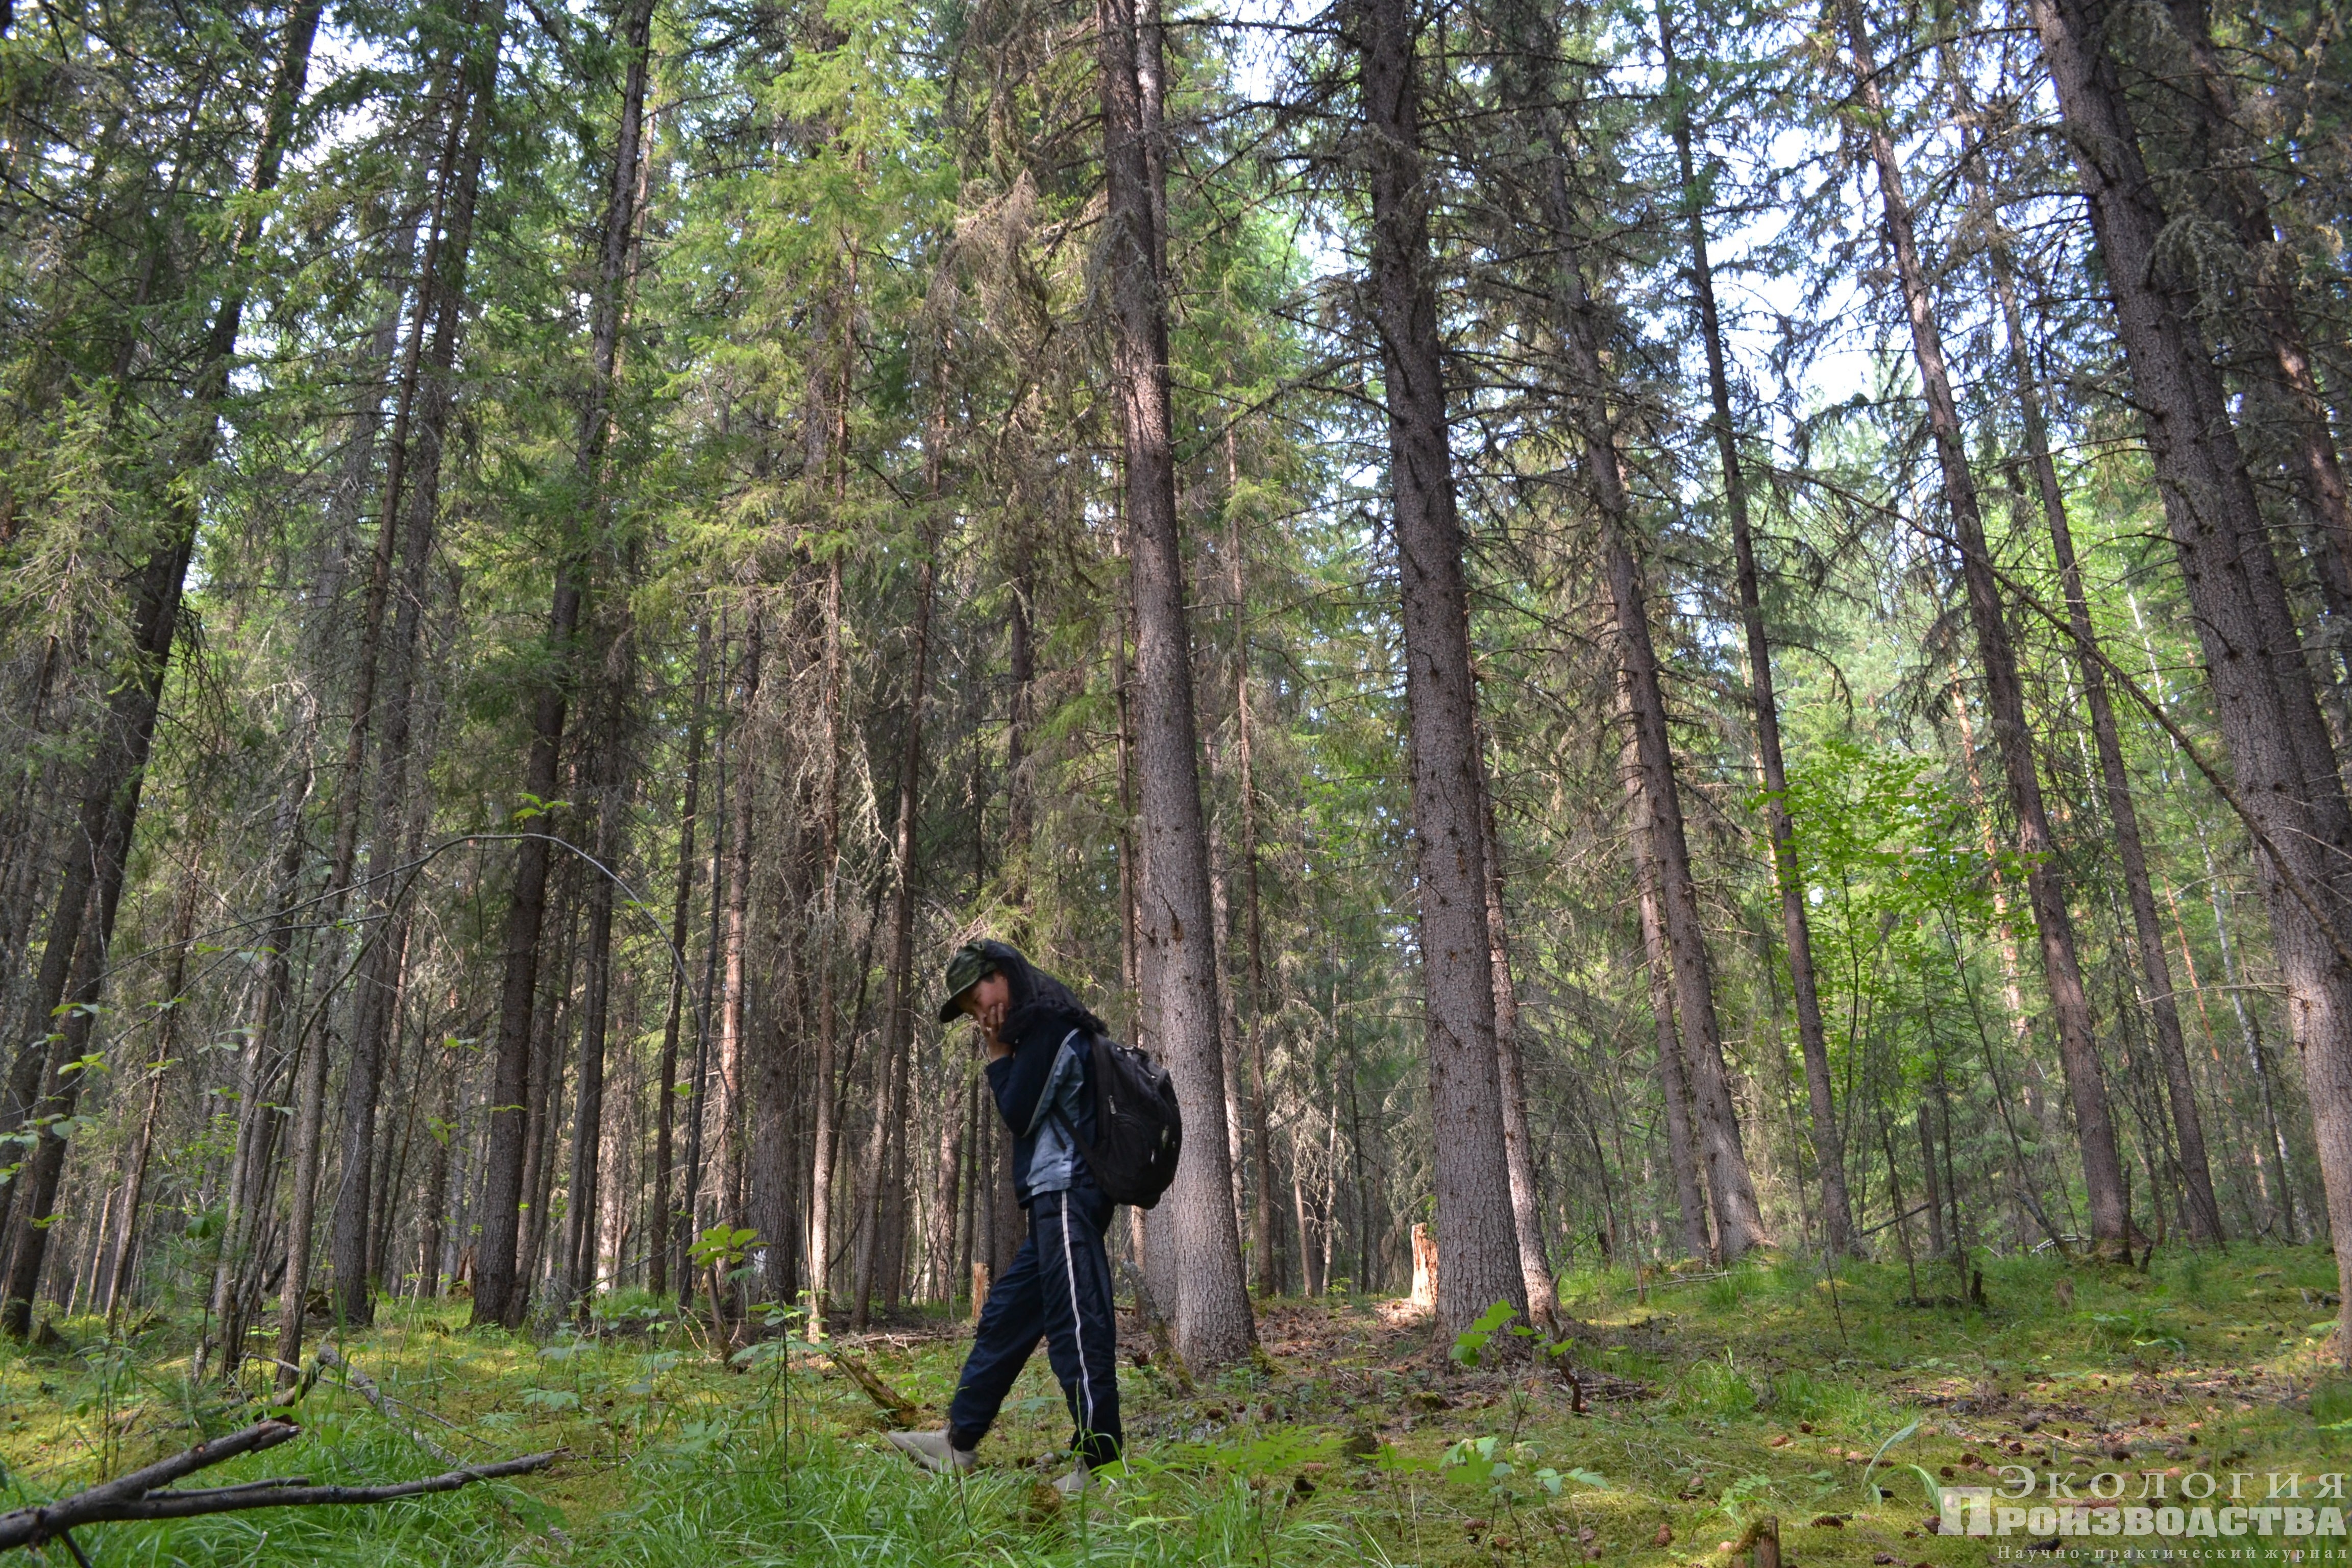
point(1078, 1483)
point(935, 1453)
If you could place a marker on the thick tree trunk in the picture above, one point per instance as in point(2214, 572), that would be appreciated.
point(2233, 196)
point(1828, 1137)
point(1739, 1219)
point(1214, 1324)
point(2111, 1226)
point(1477, 1238)
point(2265, 708)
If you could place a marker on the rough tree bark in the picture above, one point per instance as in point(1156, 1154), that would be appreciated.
point(1214, 1324)
point(2268, 717)
point(1478, 1239)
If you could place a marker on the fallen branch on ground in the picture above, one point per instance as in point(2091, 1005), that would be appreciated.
point(893, 1404)
point(145, 1494)
point(366, 1387)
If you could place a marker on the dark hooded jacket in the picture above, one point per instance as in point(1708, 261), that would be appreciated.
point(1044, 1090)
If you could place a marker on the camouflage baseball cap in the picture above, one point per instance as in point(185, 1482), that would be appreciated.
point(967, 967)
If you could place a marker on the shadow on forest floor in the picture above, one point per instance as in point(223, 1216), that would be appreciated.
point(1710, 1402)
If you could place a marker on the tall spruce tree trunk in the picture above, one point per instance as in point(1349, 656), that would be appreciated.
point(1673, 1069)
point(2267, 717)
point(1263, 1251)
point(1477, 1237)
point(92, 883)
point(1213, 1325)
point(2131, 854)
point(500, 1295)
point(1828, 1135)
point(899, 1041)
point(667, 1226)
point(2235, 199)
point(1528, 88)
point(2070, 1005)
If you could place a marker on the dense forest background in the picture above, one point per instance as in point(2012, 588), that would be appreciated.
point(1750, 602)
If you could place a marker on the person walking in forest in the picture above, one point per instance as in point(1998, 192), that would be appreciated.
point(1039, 1042)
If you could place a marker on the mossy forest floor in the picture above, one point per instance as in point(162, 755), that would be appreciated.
point(1723, 1399)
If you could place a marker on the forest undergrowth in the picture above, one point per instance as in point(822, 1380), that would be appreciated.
point(1720, 1398)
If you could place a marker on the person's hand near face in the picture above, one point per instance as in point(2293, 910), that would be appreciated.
point(986, 1003)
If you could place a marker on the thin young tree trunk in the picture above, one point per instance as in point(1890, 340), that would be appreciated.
point(735, 935)
point(2111, 1226)
point(1270, 1271)
point(255, 1121)
point(577, 1264)
point(667, 1226)
point(1828, 1136)
point(2267, 713)
point(697, 1109)
point(309, 1113)
point(939, 1246)
point(901, 979)
point(1674, 1081)
point(2131, 854)
point(119, 1246)
point(1518, 1145)
point(433, 1229)
point(1477, 1238)
point(1214, 1324)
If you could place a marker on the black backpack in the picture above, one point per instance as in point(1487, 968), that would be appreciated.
point(1140, 1132)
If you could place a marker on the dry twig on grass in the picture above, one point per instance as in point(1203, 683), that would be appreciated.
point(901, 1410)
point(146, 1494)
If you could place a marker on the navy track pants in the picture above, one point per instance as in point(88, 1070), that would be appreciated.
point(1059, 1288)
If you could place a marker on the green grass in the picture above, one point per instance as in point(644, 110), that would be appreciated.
point(1760, 1395)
